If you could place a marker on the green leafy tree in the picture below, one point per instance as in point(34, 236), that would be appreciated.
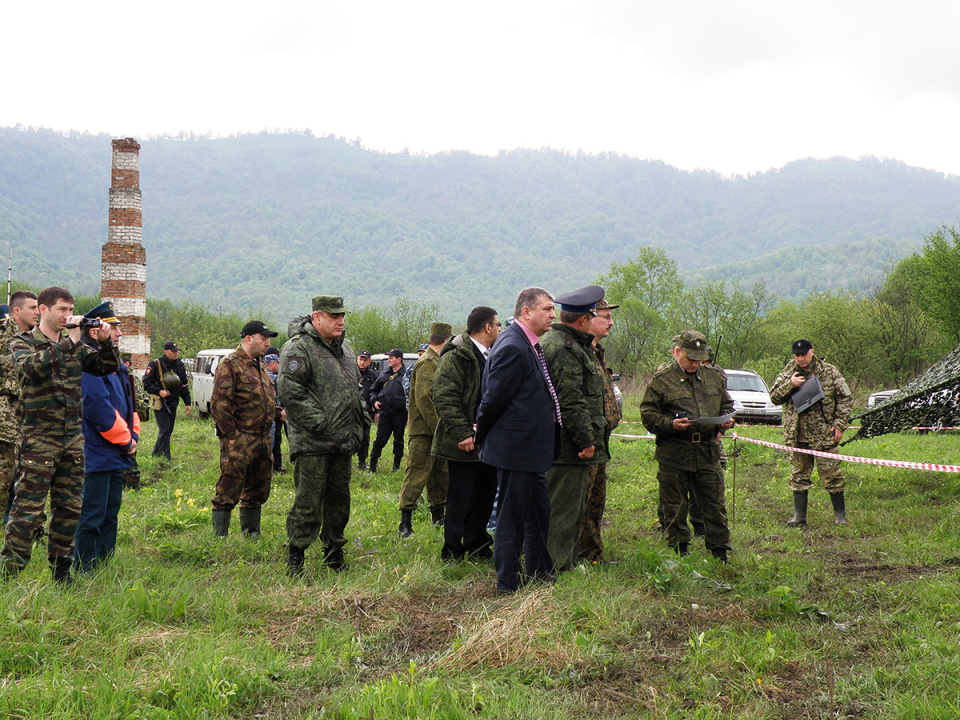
point(939, 280)
point(647, 289)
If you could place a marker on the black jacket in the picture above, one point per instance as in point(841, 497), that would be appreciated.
point(367, 378)
point(156, 370)
point(388, 391)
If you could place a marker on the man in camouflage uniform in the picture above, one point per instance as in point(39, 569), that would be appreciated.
point(819, 427)
point(21, 318)
point(595, 499)
point(423, 469)
point(568, 349)
point(50, 447)
point(688, 452)
point(457, 390)
point(319, 388)
point(243, 404)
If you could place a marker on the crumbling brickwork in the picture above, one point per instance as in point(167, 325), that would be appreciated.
point(123, 259)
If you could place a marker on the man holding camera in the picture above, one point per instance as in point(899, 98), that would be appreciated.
point(166, 378)
point(50, 447)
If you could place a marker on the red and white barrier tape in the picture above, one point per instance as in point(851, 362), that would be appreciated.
point(854, 458)
point(819, 453)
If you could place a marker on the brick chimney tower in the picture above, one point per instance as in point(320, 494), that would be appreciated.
point(123, 260)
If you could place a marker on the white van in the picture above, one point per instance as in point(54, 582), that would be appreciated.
point(204, 368)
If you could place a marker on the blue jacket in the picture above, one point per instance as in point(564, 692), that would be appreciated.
point(110, 422)
point(515, 420)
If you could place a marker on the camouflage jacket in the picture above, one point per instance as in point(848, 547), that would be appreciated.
point(9, 385)
point(141, 397)
point(610, 408)
point(573, 369)
point(319, 386)
point(456, 394)
point(243, 399)
point(422, 419)
point(674, 393)
point(813, 426)
point(50, 375)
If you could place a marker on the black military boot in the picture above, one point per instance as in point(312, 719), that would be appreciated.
point(61, 571)
point(683, 549)
point(361, 465)
point(839, 508)
point(406, 523)
point(373, 465)
point(799, 518)
point(334, 560)
point(396, 462)
point(221, 523)
point(699, 529)
point(720, 554)
point(436, 514)
point(250, 521)
point(295, 562)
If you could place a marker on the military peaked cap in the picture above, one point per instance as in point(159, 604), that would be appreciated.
point(104, 313)
point(582, 300)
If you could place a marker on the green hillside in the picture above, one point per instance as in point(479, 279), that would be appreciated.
point(265, 221)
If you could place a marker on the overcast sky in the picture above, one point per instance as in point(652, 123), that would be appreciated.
point(735, 86)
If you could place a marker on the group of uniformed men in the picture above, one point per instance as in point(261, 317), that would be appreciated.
point(530, 413)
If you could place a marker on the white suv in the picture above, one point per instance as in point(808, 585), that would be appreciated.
point(751, 400)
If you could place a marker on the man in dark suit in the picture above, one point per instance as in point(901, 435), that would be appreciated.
point(517, 424)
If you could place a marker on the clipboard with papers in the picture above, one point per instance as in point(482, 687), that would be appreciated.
point(807, 394)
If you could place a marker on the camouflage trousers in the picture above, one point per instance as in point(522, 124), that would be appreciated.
point(246, 470)
point(801, 469)
point(707, 488)
point(595, 500)
point(423, 471)
point(321, 504)
point(45, 466)
point(7, 469)
point(567, 485)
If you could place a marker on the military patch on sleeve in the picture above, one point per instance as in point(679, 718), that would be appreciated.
point(844, 388)
point(293, 364)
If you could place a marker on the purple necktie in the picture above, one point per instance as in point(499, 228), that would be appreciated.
point(553, 392)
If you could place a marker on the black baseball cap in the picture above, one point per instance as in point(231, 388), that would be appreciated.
point(256, 327)
point(396, 352)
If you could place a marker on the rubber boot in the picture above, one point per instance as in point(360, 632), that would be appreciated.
point(334, 560)
point(436, 514)
point(799, 518)
point(61, 571)
point(839, 508)
point(295, 562)
point(221, 523)
point(250, 521)
point(406, 523)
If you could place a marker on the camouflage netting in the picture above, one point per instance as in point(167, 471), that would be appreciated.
point(929, 401)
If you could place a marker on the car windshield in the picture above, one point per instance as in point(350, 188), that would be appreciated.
point(746, 383)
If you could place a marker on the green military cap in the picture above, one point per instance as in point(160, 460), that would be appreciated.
point(441, 329)
point(126, 357)
point(694, 344)
point(332, 304)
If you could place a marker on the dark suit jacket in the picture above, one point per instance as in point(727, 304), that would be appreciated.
point(515, 420)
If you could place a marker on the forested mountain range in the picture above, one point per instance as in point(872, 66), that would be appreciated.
point(263, 222)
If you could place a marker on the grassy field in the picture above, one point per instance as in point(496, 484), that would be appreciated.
point(859, 621)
